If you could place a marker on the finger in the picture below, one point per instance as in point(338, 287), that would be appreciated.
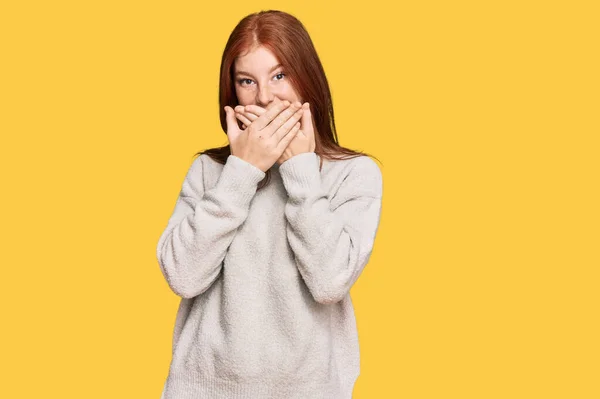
point(251, 116)
point(266, 118)
point(255, 109)
point(243, 119)
point(258, 110)
point(276, 100)
point(307, 126)
point(305, 116)
point(283, 120)
point(233, 129)
point(313, 131)
point(285, 141)
point(284, 129)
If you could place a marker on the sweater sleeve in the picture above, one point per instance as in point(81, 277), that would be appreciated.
point(192, 247)
point(332, 238)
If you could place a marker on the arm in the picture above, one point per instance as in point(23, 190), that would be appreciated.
point(332, 239)
point(192, 247)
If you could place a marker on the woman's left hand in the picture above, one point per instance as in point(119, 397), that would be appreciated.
point(304, 140)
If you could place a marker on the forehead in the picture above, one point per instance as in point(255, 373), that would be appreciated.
point(257, 60)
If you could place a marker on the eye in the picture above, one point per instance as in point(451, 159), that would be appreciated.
point(241, 81)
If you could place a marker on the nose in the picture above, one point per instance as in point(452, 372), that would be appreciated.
point(264, 96)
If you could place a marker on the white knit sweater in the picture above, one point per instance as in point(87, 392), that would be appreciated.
point(264, 276)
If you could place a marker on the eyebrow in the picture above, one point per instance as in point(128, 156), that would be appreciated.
point(249, 74)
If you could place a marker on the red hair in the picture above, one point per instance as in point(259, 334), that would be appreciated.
point(287, 38)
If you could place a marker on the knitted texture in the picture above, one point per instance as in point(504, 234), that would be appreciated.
point(264, 277)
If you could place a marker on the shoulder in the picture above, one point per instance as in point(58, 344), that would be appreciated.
point(204, 164)
point(365, 165)
point(197, 167)
point(203, 173)
point(195, 178)
point(361, 175)
point(358, 164)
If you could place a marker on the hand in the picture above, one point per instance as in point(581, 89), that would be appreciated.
point(247, 117)
point(262, 143)
point(304, 140)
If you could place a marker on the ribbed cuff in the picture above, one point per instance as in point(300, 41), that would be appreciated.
point(239, 179)
point(300, 174)
point(190, 386)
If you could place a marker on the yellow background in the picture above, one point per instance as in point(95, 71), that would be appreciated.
point(485, 115)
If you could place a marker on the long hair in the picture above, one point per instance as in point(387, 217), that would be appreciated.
point(287, 38)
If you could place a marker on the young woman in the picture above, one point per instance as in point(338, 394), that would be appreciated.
point(270, 232)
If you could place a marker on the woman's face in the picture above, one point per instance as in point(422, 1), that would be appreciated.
point(258, 79)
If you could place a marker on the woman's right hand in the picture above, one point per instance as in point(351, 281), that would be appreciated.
point(266, 139)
